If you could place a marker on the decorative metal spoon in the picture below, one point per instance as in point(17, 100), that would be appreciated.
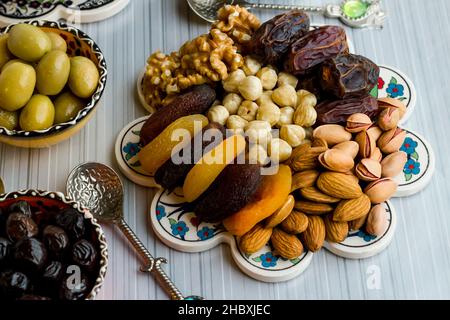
point(98, 188)
point(354, 13)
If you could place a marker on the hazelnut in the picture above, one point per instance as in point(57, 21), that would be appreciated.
point(251, 66)
point(251, 88)
point(218, 114)
point(286, 116)
point(305, 116)
point(231, 84)
point(216, 103)
point(236, 123)
point(232, 102)
point(293, 134)
point(285, 96)
point(287, 79)
point(268, 78)
point(266, 96)
point(259, 132)
point(257, 155)
point(269, 112)
point(279, 150)
point(306, 98)
point(248, 110)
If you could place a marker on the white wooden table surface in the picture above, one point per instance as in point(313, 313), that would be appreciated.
point(416, 40)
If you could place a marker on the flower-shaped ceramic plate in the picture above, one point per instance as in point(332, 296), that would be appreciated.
point(73, 11)
point(177, 226)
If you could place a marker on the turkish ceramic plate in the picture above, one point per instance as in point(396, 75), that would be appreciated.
point(74, 11)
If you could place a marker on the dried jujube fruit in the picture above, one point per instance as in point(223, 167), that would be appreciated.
point(338, 111)
point(84, 254)
point(56, 239)
point(272, 40)
point(13, 284)
point(30, 255)
point(349, 75)
point(72, 222)
point(20, 226)
point(317, 46)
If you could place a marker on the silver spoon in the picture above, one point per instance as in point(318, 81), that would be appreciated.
point(354, 13)
point(98, 188)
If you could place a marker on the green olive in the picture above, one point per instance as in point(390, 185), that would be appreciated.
point(52, 73)
point(83, 79)
point(67, 107)
point(28, 42)
point(5, 55)
point(58, 43)
point(10, 62)
point(38, 114)
point(17, 83)
point(9, 120)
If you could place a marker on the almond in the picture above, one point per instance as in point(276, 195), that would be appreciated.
point(339, 185)
point(255, 239)
point(335, 231)
point(313, 208)
point(314, 236)
point(286, 245)
point(315, 195)
point(296, 223)
point(304, 179)
point(281, 214)
point(305, 157)
point(349, 210)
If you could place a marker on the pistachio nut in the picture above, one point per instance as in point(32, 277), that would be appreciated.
point(393, 164)
point(381, 190)
point(349, 147)
point(358, 122)
point(392, 140)
point(377, 221)
point(375, 132)
point(367, 144)
point(384, 103)
point(368, 170)
point(377, 155)
point(332, 133)
point(389, 119)
point(336, 160)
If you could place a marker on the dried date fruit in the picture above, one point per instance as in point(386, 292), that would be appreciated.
point(20, 207)
point(20, 226)
point(349, 76)
point(56, 239)
point(272, 40)
point(338, 111)
point(317, 46)
point(30, 255)
point(13, 284)
point(74, 291)
point(84, 254)
point(72, 222)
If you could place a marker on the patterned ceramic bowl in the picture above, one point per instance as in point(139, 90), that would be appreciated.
point(44, 200)
point(78, 44)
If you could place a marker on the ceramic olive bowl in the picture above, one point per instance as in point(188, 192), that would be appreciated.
point(53, 201)
point(78, 44)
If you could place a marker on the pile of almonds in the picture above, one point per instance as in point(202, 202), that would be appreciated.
point(341, 180)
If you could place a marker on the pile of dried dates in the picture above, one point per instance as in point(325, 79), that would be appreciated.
point(45, 254)
point(321, 60)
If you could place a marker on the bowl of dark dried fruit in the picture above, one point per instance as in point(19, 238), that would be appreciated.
point(50, 248)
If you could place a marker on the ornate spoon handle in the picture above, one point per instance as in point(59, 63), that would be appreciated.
point(152, 265)
point(287, 7)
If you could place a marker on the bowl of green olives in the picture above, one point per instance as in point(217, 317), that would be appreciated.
point(50, 248)
point(52, 78)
